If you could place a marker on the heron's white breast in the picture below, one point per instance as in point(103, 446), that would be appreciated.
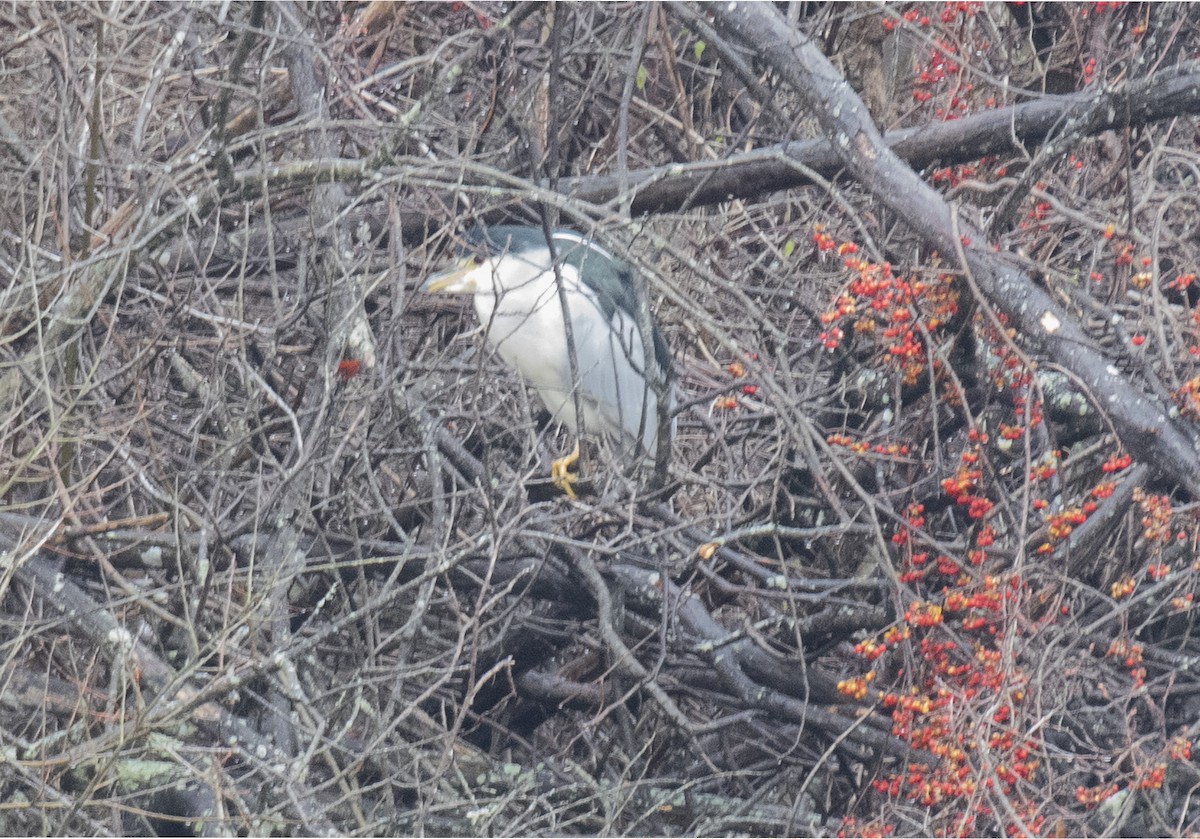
point(524, 323)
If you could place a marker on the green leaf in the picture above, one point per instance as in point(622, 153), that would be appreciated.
point(698, 49)
point(642, 73)
point(788, 247)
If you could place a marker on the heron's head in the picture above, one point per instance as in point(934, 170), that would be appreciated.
point(469, 274)
point(493, 261)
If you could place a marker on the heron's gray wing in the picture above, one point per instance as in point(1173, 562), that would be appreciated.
point(611, 357)
point(613, 282)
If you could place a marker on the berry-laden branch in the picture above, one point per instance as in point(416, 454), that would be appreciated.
point(987, 639)
point(1047, 330)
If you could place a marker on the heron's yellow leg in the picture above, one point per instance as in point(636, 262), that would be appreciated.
point(560, 471)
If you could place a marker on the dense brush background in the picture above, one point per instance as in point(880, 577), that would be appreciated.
point(278, 553)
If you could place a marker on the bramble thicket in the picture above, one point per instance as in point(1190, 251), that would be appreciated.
point(279, 553)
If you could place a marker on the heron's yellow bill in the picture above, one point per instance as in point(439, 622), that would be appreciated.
point(457, 279)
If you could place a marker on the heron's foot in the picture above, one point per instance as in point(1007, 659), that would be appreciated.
point(560, 472)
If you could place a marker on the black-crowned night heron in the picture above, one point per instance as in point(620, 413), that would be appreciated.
point(509, 270)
